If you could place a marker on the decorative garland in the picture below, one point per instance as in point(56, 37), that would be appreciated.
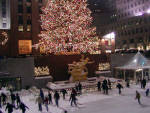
point(5, 36)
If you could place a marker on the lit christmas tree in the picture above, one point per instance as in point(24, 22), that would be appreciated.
point(66, 27)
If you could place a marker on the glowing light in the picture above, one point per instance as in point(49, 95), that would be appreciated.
point(41, 71)
point(66, 27)
point(148, 11)
point(139, 14)
point(110, 36)
point(135, 61)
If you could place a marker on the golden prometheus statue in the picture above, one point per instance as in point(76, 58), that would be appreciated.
point(78, 70)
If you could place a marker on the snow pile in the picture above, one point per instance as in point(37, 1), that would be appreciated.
point(5, 90)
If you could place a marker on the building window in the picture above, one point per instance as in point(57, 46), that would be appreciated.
point(20, 20)
point(20, 8)
point(28, 27)
point(3, 3)
point(4, 12)
point(4, 25)
point(20, 28)
point(131, 41)
point(40, 1)
point(28, 0)
point(29, 21)
point(28, 9)
point(25, 46)
point(4, 8)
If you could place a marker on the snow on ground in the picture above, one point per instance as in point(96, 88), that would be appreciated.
point(95, 102)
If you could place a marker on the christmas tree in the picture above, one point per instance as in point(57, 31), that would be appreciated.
point(66, 27)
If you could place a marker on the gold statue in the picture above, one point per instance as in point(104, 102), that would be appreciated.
point(78, 70)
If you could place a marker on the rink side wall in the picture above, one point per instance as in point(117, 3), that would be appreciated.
point(58, 65)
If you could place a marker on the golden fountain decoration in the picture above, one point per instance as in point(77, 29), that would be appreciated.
point(78, 70)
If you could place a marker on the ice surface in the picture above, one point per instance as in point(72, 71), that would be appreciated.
point(94, 102)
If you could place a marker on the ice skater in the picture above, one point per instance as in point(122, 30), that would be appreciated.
point(13, 98)
point(80, 88)
point(23, 107)
point(138, 96)
point(39, 101)
point(73, 98)
point(64, 92)
point(18, 99)
point(42, 95)
point(56, 97)
point(4, 97)
point(147, 92)
point(119, 86)
point(46, 103)
point(9, 107)
point(50, 98)
point(99, 85)
point(0, 101)
point(109, 84)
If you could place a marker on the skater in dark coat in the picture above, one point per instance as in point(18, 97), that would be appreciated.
point(127, 83)
point(76, 87)
point(80, 88)
point(50, 98)
point(9, 107)
point(4, 97)
point(144, 83)
point(99, 85)
point(109, 84)
point(56, 97)
point(64, 92)
point(147, 92)
point(13, 98)
point(119, 86)
point(0, 101)
point(104, 88)
point(39, 101)
point(23, 107)
point(138, 96)
point(105, 81)
point(18, 99)
point(46, 103)
point(73, 98)
point(42, 95)
point(1, 111)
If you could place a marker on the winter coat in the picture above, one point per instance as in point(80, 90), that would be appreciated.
point(56, 96)
point(39, 100)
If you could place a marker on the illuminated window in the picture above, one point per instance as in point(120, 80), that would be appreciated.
point(20, 28)
point(25, 46)
point(28, 27)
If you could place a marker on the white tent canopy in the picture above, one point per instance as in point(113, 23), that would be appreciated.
point(136, 63)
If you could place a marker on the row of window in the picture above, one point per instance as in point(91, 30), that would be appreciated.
point(20, 9)
point(133, 31)
point(20, 20)
point(21, 28)
point(40, 1)
point(131, 41)
point(3, 8)
point(129, 1)
point(132, 5)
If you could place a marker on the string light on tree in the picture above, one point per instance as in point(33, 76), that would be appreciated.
point(66, 27)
